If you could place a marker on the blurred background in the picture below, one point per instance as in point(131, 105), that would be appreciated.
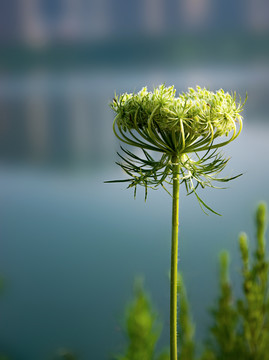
point(71, 245)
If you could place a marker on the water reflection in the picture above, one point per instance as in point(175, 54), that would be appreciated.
point(65, 119)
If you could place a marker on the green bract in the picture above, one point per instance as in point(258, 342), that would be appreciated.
point(187, 129)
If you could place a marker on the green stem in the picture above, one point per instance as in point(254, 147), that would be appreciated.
point(174, 260)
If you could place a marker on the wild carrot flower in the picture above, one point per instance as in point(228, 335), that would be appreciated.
point(179, 137)
point(179, 129)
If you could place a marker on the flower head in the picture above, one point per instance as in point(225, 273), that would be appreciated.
point(183, 124)
point(196, 121)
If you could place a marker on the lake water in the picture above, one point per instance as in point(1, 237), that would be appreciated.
point(71, 245)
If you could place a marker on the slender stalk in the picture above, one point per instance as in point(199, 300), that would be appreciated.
point(174, 261)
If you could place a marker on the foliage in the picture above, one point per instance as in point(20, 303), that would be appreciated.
point(143, 330)
point(224, 344)
point(240, 329)
point(64, 354)
point(142, 327)
point(254, 308)
point(186, 326)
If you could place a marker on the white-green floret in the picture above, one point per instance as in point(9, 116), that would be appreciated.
point(179, 121)
point(195, 121)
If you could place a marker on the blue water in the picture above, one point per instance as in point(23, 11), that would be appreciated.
point(71, 247)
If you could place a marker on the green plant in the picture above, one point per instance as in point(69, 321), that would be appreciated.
point(187, 328)
point(225, 343)
point(179, 138)
point(240, 328)
point(254, 307)
point(64, 354)
point(142, 327)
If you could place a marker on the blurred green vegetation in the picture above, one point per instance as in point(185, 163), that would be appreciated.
point(240, 327)
point(64, 354)
point(142, 327)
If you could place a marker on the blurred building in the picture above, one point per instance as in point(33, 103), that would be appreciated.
point(43, 21)
point(50, 118)
point(257, 15)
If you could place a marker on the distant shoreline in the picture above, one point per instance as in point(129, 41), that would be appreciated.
point(138, 52)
